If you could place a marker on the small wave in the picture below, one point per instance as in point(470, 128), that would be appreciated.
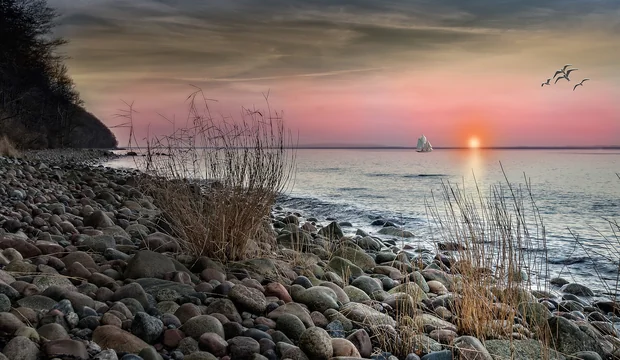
point(379, 175)
point(569, 261)
point(427, 175)
point(352, 189)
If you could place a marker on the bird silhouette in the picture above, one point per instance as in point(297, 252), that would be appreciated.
point(561, 77)
point(562, 70)
point(581, 83)
point(568, 72)
point(545, 83)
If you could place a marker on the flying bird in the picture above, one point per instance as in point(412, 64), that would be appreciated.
point(558, 72)
point(568, 72)
point(581, 83)
point(545, 83)
point(562, 70)
point(561, 77)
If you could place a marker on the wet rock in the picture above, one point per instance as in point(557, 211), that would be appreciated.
point(577, 289)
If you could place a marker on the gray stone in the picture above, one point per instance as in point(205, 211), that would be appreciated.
point(146, 327)
point(568, 338)
point(577, 289)
point(521, 349)
point(201, 324)
point(291, 326)
point(243, 348)
point(317, 298)
point(21, 348)
point(248, 298)
point(148, 264)
point(316, 343)
point(470, 348)
point(5, 303)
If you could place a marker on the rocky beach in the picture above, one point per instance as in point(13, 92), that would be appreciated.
point(87, 271)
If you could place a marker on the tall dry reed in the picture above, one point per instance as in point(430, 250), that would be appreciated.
point(502, 243)
point(216, 178)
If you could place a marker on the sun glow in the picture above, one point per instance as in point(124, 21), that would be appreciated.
point(474, 142)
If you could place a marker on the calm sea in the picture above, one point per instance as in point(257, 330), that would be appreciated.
point(577, 193)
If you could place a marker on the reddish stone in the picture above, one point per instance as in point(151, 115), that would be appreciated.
point(24, 247)
point(49, 248)
point(172, 337)
point(278, 290)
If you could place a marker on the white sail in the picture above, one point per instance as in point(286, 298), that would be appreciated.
point(424, 145)
point(421, 142)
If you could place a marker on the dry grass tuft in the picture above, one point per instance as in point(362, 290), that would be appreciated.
point(7, 148)
point(498, 239)
point(217, 178)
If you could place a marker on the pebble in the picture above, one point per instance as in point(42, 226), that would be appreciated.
point(104, 281)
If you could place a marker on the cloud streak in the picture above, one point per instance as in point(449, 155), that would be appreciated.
point(354, 51)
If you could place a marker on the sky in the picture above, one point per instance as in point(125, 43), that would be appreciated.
point(355, 72)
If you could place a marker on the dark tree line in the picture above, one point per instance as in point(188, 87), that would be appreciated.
point(39, 105)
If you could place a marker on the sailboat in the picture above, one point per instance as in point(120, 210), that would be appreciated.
point(424, 145)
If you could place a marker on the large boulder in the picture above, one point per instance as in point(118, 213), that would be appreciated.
point(568, 338)
point(521, 349)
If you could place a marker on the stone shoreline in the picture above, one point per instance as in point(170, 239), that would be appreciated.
point(78, 281)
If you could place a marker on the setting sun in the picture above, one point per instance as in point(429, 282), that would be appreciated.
point(474, 143)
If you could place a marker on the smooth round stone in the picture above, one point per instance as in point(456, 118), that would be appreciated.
point(243, 347)
point(5, 303)
point(303, 281)
point(257, 334)
point(316, 343)
point(131, 357)
point(335, 329)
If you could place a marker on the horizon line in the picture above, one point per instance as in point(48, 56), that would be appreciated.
point(387, 147)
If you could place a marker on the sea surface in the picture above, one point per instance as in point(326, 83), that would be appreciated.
point(576, 193)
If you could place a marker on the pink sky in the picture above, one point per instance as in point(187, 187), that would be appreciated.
point(360, 79)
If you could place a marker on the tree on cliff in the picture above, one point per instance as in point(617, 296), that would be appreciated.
point(39, 105)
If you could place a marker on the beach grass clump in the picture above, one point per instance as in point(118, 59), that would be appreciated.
point(496, 236)
point(217, 178)
point(7, 148)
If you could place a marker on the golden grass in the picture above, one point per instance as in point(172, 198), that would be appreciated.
point(499, 239)
point(216, 179)
point(7, 148)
